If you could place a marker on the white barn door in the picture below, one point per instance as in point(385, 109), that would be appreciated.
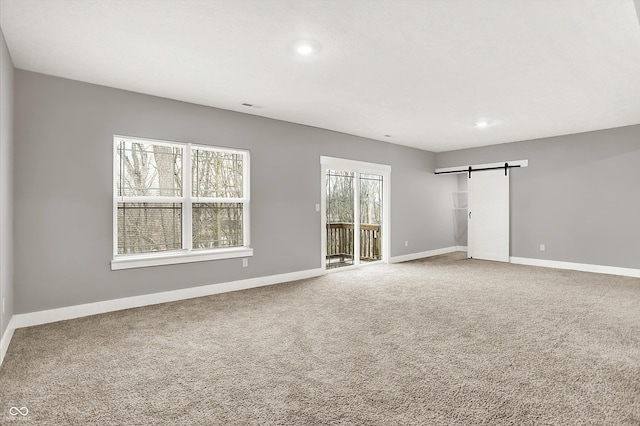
point(489, 216)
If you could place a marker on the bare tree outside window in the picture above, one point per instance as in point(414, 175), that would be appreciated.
point(340, 192)
point(147, 171)
point(371, 199)
point(218, 175)
point(150, 196)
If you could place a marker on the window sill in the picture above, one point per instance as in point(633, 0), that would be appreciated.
point(172, 258)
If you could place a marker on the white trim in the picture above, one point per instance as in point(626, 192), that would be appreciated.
point(151, 199)
point(187, 204)
point(216, 200)
point(77, 311)
point(584, 267)
point(423, 254)
point(323, 216)
point(359, 166)
point(212, 148)
point(186, 254)
point(386, 212)
point(246, 199)
point(356, 217)
point(174, 257)
point(114, 209)
point(6, 338)
point(150, 140)
point(521, 163)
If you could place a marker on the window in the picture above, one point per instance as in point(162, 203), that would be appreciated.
point(176, 203)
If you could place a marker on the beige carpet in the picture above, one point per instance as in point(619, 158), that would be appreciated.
point(443, 340)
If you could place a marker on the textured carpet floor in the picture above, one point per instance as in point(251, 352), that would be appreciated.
point(443, 340)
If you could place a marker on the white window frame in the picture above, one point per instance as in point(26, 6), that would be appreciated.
point(187, 254)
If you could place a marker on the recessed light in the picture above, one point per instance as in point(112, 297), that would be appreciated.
point(481, 124)
point(304, 49)
point(247, 105)
point(387, 136)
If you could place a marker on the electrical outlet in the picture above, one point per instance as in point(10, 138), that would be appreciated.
point(317, 207)
point(245, 262)
point(406, 243)
point(542, 247)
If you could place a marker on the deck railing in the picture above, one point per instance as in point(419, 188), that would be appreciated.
point(340, 242)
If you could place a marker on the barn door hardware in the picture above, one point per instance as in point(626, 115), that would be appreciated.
point(506, 167)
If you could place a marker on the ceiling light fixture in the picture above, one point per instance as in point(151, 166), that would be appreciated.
point(482, 124)
point(304, 49)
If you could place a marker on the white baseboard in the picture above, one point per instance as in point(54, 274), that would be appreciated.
point(77, 311)
point(423, 254)
point(584, 267)
point(6, 338)
point(461, 248)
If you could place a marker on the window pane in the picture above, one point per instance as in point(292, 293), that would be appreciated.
point(370, 217)
point(340, 195)
point(370, 199)
point(147, 169)
point(217, 225)
point(216, 174)
point(340, 218)
point(149, 227)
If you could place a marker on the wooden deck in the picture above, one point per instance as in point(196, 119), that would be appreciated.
point(340, 243)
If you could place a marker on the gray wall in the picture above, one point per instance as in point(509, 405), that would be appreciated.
point(6, 183)
point(580, 195)
point(63, 191)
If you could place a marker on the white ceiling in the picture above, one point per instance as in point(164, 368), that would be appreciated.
point(421, 71)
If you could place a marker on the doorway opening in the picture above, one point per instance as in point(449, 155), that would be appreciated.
point(354, 212)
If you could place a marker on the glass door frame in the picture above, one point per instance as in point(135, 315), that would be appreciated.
point(358, 167)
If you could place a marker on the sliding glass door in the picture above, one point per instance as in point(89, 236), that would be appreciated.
point(354, 216)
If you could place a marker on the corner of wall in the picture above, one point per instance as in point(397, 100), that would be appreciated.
point(6, 193)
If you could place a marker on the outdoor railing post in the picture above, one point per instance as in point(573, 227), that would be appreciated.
point(341, 242)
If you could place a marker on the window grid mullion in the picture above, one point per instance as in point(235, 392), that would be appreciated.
point(150, 199)
point(246, 213)
point(120, 181)
point(187, 227)
point(219, 200)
